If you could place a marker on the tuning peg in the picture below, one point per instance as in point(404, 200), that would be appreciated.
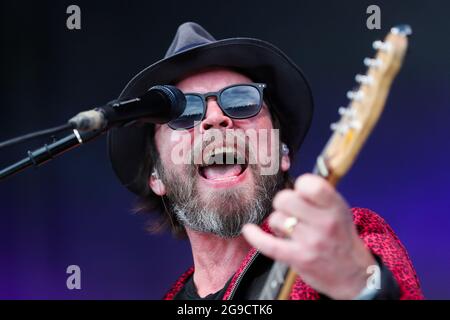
point(355, 95)
point(372, 62)
point(403, 29)
point(363, 79)
point(341, 128)
point(342, 111)
point(335, 127)
point(380, 45)
point(346, 111)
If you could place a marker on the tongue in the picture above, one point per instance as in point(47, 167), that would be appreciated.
point(221, 171)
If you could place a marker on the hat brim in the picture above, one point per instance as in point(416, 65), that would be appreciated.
point(287, 87)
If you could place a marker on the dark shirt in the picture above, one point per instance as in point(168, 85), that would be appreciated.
point(189, 292)
point(254, 279)
point(249, 287)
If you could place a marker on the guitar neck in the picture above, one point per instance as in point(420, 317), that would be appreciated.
point(280, 275)
point(275, 281)
point(350, 133)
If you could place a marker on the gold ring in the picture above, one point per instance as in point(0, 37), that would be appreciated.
point(289, 225)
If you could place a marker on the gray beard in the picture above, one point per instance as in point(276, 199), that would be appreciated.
point(223, 213)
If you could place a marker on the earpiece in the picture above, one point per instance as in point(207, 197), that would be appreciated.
point(157, 185)
point(284, 149)
point(155, 174)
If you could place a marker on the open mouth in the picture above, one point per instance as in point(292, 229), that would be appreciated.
point(223, 163)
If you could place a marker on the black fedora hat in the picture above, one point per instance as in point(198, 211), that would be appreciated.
point(192, 49)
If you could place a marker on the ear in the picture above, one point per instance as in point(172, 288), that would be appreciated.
point(285, 163)
point(156, 184)
point(285, 160)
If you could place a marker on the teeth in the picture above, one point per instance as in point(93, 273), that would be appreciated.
point(220, 150)
point(230, 154)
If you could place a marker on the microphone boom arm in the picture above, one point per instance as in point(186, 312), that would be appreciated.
point(48, 152)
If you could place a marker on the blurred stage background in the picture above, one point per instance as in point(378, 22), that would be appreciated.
point(74, 211)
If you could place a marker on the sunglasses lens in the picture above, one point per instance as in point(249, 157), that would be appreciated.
point(241, 101)
point(192, 113)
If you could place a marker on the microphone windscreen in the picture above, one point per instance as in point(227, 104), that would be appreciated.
point(175, 97)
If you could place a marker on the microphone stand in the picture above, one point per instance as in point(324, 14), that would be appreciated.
point(48, 152)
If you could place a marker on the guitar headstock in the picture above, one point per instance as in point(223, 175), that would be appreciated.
point(365, 107)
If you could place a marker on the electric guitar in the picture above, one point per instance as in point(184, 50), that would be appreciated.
point(349, 134)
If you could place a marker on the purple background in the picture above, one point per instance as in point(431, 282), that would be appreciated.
point(74, 211)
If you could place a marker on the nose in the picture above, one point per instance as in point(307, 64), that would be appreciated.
point(215, 118)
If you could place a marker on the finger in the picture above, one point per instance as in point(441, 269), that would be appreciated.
point(277, 222)
point(292, 204)
point(269, 245)
point(316, 190)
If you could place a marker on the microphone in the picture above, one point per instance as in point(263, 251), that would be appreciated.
point(160, 104)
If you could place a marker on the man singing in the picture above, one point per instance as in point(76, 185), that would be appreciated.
point(206, 174)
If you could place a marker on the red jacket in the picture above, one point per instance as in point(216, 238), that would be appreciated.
point(378, 237)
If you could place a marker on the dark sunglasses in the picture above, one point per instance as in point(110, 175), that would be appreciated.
point(238, 101)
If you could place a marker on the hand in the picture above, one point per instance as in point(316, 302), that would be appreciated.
point(324, 248)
